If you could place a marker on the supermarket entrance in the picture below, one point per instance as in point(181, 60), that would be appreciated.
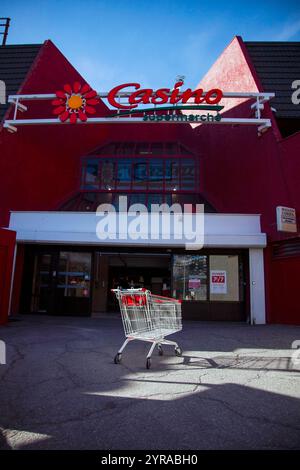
point(150, 272)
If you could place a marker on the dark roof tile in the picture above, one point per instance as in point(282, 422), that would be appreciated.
point(277, 65)
point(15, 62)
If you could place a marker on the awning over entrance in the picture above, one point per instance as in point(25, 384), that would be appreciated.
point(224, 231)
point(220, 230)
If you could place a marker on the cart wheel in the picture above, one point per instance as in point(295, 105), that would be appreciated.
point(148, 363)
point(178, 351)
point(160, 350)
point(118, 358)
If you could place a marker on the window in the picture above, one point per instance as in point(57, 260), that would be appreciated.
point(156, 173)
point(208, 277)
point(124, 166)
point(190, 277)
point(140, 174)
point(172, 174)
point(138, 198)
point(74, 274)
point(187, 174)
point(124, 174)
point(169, 174)
point(91, 174)
point(158, 199)
point(224, 278)
point(108, 174)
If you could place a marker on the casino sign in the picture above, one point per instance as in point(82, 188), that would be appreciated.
point(129, 103)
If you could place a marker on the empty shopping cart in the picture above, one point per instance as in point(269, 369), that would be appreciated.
point(148, 317)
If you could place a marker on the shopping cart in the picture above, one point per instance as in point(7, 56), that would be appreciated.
point(148, 317)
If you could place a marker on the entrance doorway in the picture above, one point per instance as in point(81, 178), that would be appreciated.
point(213, 284)
point(61, 283)
point(150, 272)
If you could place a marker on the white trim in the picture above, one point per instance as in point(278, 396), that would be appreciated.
point(220, 230)
point(104, 94)
point(133, 120)
point(258, 106)
point(257, 286)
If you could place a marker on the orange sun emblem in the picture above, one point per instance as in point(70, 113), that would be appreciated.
point(75, 103)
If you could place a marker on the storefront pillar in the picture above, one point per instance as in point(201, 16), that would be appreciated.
point(257, 286)
point(7, 257)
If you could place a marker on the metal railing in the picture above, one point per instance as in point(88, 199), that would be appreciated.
point(4, 23)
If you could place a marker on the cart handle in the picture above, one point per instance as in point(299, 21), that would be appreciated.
point(133, 291)
point(167, 298)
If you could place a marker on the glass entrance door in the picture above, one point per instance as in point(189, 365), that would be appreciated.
point(61, 284)
point(43, 282)
point(190, 277)
point(73, 286)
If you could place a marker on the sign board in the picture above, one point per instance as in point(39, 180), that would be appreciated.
point(194, 283)
point(286, 219)
point(130, 103)
point(218, 282)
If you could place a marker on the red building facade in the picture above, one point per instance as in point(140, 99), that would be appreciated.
point(260, 173)
point(73, 168)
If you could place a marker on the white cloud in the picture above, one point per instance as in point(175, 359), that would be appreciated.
point(288, 31)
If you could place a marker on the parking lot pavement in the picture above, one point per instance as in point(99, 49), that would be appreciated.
point(235, 387)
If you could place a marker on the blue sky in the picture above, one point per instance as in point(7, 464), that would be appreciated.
point(151, 42)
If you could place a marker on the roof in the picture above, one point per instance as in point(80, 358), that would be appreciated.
point(15, 62)
point(277, 65)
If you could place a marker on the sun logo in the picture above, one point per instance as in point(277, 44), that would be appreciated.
point(75, 102)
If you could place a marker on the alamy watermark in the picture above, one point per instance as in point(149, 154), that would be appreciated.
point(2, 92)
point(296, 93)
point(162, 224)
point(2, 352)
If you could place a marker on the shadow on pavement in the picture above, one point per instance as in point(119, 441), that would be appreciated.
point(61, 390)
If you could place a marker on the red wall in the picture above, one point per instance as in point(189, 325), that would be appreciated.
point(7, 246)
point(289, 149)
point(246, 173)
point(284, 275)
point(41, 168)
point(41, 164)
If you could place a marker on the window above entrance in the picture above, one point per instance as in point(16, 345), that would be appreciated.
point(146, 174)
point(119, 166)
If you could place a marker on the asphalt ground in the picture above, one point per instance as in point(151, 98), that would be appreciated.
point(235, 386)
